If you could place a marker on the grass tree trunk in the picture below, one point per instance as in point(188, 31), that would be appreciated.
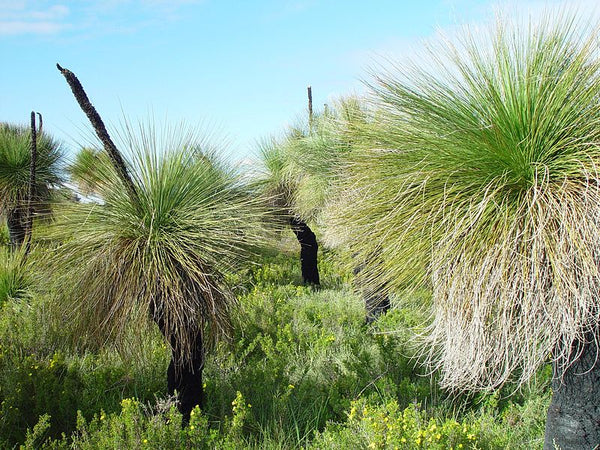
point(184, 375)
point(31, 186)
point(573, 420)
point(15, 221)
point(377, 302)
point(308, 251)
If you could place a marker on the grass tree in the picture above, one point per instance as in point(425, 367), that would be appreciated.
point(158, 247)
point(298, 171)
point(279, 182)
point(483, 185)
point(86, 169)
point(15, 164)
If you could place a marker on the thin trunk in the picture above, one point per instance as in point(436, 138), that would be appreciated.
point(31, 187)
point(308, 251)
point(16, 227)
point(184, 375)
point(310, 106)
point(573, 420)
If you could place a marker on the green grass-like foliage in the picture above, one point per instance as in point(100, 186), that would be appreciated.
point(482, 184)
point(15, 280)
point(298, 169)
point(85, 169)
point(194, 222)
point(15, 159)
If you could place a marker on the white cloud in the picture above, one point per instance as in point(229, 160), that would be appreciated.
point(19, 17)
point(20, 27)
point(55, 12)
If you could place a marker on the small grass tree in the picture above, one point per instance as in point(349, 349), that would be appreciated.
point(158, 247)
point(15, 164)
point(301, 172)
point(483, 185)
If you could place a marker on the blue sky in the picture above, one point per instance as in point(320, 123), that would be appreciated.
point(238, 67)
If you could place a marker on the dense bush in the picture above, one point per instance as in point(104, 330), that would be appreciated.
point(302, 369)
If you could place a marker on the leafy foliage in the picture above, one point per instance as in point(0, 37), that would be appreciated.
point(301, 362)
point(88, 169)
point(15, 279)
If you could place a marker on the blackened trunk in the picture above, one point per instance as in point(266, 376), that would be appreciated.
point(184, 375)
point(31, 186)
point(308, 251)
point(573, 420)
point(377, 302)
point(16, 227)
point(113, 152)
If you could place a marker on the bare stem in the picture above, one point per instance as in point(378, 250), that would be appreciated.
point(310, 108)
point(98, 124)
point(31, 190)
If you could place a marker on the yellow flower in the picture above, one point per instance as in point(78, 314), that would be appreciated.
point(352, 412)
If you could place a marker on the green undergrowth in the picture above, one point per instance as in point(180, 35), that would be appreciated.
point(302, 370)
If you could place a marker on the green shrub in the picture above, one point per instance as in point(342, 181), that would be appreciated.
point(301, 367)
point(388, 426)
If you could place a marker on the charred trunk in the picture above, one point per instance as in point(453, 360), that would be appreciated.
point(308, 251)
point(573, 420)
point(377, 302)
point(15, 221)
point(184, 375)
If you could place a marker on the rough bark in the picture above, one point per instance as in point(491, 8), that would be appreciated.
point(573, 420)
point(184, 375)
point(308, 251)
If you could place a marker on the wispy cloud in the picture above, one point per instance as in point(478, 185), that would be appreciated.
point(288, 8)
point(24, 27)
point(20, 17)
point(47, 17)
point(475, 16)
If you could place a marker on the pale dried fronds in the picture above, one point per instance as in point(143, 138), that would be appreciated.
point(482, 185)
